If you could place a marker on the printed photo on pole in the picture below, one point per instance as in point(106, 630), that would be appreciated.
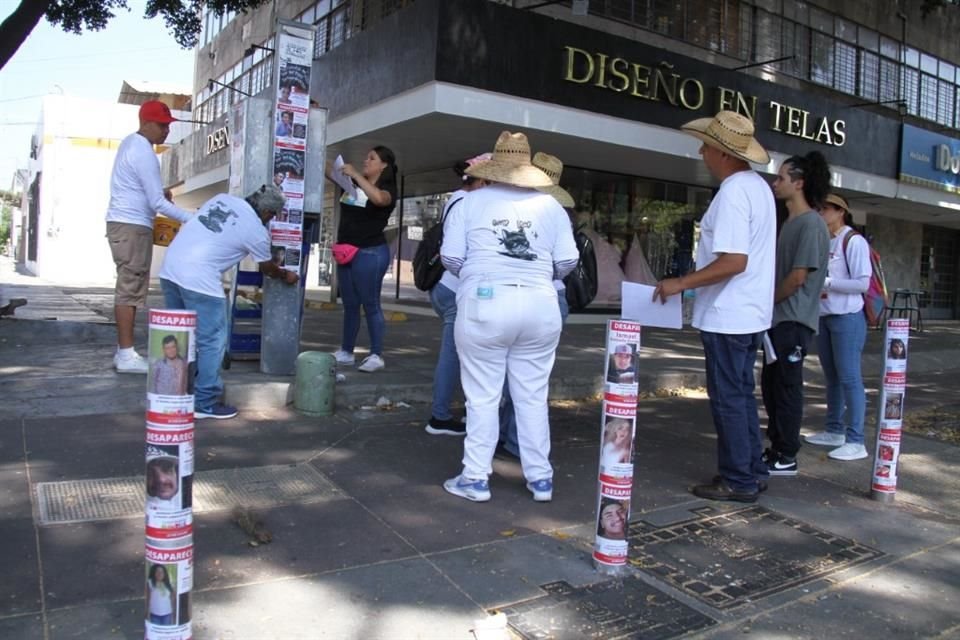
point(169, 369)
point(610, 546)
point(169, 481)
point(168, 585)
point(893, 407)
point(618, 433)
point(896, 349)
point(887, 459)
point(622, 364)
point(890, 410)
point(616, 449)
point(171, 352)
point(623, 358)
point(294, 59)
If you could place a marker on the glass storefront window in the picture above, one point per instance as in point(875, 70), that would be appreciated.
point(632, 221)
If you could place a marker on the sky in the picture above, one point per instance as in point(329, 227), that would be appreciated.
point(93, 64)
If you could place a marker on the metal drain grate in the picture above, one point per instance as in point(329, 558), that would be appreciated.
point(218, 490)
point(613, 610)
point(727, 559)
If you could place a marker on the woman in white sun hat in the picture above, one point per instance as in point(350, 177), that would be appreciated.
point(507, 242)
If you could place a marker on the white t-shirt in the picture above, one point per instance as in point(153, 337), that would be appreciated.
point(848, 277)
point(509, 235)
point(160, 599)
point(136, 190)
point(222, 233)
point(449, 280)
point(741, 219)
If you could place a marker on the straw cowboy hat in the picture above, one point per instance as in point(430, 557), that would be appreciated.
point(552, 166)
point(510, 164)
point(838, 202)
point(731, 133)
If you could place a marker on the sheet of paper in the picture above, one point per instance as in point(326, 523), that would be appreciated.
point(341, 179)
point(769, 353)
point(638, 304)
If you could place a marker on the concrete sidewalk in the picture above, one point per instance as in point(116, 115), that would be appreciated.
point(366, 544)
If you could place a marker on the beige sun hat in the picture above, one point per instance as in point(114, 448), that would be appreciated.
point(731, 133)
point(838, 202)
point(510, 164)
point(552, 166)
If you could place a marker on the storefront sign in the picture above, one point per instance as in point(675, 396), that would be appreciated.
point(930, 159)
point(219, 139)
point(661, 82)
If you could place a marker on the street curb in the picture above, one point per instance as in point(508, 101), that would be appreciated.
point(253, 391)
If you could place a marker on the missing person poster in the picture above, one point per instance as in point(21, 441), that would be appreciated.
point(169, 481)
point(168, 583)
point(613, 516)
point(623, 359)
point(294, 58)
point(171, 351)
point(616, 447)
point(890, 410)
point(618, 432)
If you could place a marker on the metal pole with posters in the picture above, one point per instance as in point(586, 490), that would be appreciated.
point(293, 62)
point(890, 407)
point(169, 450)
point(618, 431)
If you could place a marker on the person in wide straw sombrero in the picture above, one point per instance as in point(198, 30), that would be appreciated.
point(553, 167)
point(507, 242)
point(734, 279)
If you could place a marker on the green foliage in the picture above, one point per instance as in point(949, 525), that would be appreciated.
point(182, 17)
point(6, 223)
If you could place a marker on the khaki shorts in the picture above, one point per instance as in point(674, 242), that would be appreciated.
point(132, 249)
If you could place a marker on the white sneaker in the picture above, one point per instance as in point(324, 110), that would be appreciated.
point(849, 451)
point(825, 439)
point(342, 357)
point(130, 363)
point(371, 363)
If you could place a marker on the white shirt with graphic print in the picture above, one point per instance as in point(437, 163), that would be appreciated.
point(219, 236)
point(508, 235)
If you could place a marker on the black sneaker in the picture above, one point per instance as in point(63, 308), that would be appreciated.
point(449, 427)
point(218, 411)
point(782, 466)
point(768, 455)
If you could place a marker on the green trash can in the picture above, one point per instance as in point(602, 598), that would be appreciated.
point(315, 383)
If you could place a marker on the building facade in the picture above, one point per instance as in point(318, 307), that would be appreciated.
point(67, 184)
point(874, 86)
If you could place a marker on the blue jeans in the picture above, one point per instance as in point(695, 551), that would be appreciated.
point(840, 346)
point(166, 620)
point(729, 361)
point(211, 338)
point(360, 283)
point(508, 417)
point(446, 376)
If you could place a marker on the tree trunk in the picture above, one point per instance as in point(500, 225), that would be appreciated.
point(18, 26)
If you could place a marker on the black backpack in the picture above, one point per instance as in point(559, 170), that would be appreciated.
point(581, 283)
point(427, 268)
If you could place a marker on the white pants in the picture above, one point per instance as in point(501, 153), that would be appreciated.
point(514, 334)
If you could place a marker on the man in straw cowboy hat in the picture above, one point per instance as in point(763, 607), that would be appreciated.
point(507, 242)
point(553, 167)
point(734, 304)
